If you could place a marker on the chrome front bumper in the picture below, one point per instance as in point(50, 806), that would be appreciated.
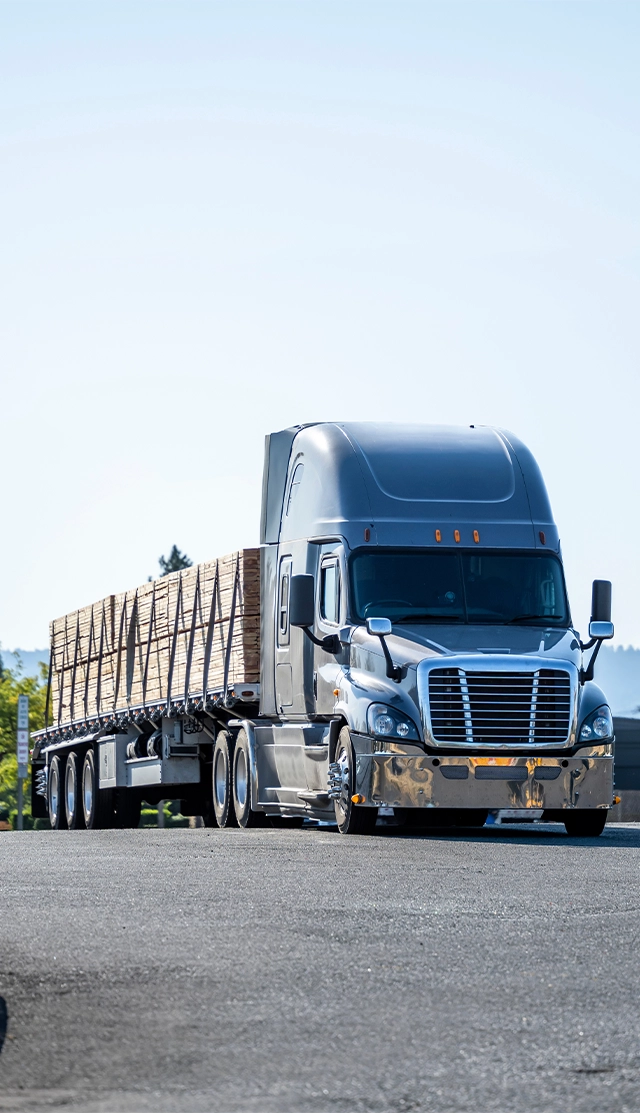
point(401, 780)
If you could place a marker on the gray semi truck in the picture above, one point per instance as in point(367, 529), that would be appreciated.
point(417, 655)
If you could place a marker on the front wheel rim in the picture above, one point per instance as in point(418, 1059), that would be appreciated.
point(343, 802)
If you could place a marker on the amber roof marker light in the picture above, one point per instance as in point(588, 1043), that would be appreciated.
point(476, 536)
point(456, 535)
point(543, 537)
point(438, 536)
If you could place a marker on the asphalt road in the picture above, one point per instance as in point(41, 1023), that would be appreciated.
point(279, 971)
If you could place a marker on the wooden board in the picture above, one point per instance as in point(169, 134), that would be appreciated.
point(159, 640)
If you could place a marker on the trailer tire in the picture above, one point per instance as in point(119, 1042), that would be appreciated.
point(351, 818)
point(245, 816)
point(586, 824)
point(72, 794)
point(55, 795)
point(97, 803)
point(221, 777)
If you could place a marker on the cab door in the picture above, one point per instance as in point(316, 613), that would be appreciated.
point(330, 614)
point(284, 674)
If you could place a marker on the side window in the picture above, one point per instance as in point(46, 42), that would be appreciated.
point(283, 601)
point(330, 592)
point(296, 480)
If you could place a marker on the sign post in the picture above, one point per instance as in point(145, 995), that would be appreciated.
point(23, 751)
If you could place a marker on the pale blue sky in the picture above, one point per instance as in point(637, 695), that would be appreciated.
point(219, 219)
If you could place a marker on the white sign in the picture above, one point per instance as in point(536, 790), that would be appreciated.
point(23, 712)
point(23, 731)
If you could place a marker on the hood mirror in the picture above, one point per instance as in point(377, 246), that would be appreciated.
point(379, 626)
point(602, 631)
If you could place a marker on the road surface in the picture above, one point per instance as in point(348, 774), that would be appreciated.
point(283, 971)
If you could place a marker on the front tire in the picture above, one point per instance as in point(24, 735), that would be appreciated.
point(57, 816)
point(351, 818)
point(586, 824)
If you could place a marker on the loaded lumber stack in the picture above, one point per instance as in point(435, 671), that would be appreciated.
point(182, 636)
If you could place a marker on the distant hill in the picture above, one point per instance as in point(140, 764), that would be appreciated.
point(617, 672)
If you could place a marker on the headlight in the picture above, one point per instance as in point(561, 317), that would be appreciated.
point(389, 723)
point(597, 726)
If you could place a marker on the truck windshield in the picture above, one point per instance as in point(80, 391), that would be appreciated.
point(498, 588)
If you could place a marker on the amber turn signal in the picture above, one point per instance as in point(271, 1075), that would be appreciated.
point(617, 799)
point(357, 798)
point(336, 691)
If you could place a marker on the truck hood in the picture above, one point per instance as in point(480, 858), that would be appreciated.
point(412, 644)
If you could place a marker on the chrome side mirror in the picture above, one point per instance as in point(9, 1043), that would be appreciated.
point(379, 626)
point(602, 631)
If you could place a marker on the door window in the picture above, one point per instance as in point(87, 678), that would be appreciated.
point(330, 592)
point(283, 602)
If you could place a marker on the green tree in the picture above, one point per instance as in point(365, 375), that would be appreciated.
point(12, 685)
point(174, 562)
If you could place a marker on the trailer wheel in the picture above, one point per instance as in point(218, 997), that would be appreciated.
point(72, 801)
point(351, 818)
point(221, 780)
point(97, 803)
point(587, 824)
point(242, 785)
point(57, 817)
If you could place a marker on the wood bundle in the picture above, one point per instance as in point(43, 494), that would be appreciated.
point(158, 641)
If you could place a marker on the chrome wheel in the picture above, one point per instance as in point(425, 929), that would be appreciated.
point(88, 791)
point(72, 805)
point(220, 779)
point(242, 785)
point(241, 778)
point(57, 816)
point(351, 818)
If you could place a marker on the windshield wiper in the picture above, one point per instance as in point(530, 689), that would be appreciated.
point(546, 618)
point(426, 617)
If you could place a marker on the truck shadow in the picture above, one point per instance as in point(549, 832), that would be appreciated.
point(548, 834)
point(3, 1021)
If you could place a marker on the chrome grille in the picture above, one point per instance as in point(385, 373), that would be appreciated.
point(494, 708)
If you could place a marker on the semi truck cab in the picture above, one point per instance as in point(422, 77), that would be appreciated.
point(418, 604)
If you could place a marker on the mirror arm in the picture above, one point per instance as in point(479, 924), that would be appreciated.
point(330, 643)
point(587, 674)
point(588, 645)
point(394, 672)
